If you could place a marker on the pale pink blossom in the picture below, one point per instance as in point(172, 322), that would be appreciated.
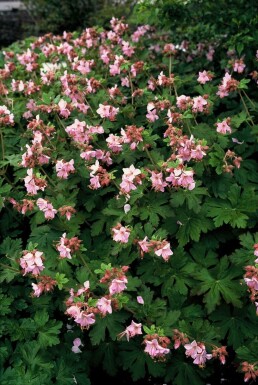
point(223, 127)
point(158, 184)
point(125, 82)
point(140, 300)
point(63, 168)
point(38, 290)
point(239, 66)
point(107, 111)
point(73, 311)
point(63, 110)
point(32, 262)
point(131, 331)
point(199, 104)
point(117, 285)
point(114, 143)
point(151, 115)
point(183, 102)
point(76, 344)
point(47, 208)
point(164, 251)
point(104, 306)
point(120, 234)
point(154, 349)
point(144, 245)
point(204, 77)
point(85, 319)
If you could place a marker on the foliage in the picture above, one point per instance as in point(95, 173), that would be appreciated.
point(55, 16)
point(128, 208)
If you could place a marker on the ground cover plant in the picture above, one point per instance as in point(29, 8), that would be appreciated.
point(129, 208)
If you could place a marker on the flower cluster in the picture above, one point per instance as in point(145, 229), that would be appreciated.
point(45, 284)
point(156, 346)
point(160, 248)
point(67, 247)
point(132, 330)
point(116, 279)
point(32, 262)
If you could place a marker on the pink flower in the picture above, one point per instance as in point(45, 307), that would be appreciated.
point(104, 306)
point(129, 178)
point(192, 349)
point(117, 285)
point(63, 168)
point(158, 184)
point(120, 233)
point(140, 300)
point(47, 208)
point(31, 262)
point(199, 103)
point(114, 143)
point(38, 290)
point(201, 358)
point(151, 115)
point(197, 352)
point(154, 349)
point(125, 82)
point(33, 184)
point(106, 111)
point(144, 245)
point(73, 311)
point(223, 127)
point(85, 319)
point(62, 108)
point(183, 102)
point(204, 77)
point(164, 251)
point(239, 66)
point(131, 330)
point(76, 343)
point(127, 49)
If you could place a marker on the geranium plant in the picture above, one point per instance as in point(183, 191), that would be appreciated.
point(128, 209)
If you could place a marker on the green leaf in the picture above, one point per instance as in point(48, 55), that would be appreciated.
point(191, 226)
point(48, 335)
point(11, 247)
point(112, 323)
point(216, 284)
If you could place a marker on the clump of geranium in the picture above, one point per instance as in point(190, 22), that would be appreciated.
point(184, 148)
point(83, 305)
